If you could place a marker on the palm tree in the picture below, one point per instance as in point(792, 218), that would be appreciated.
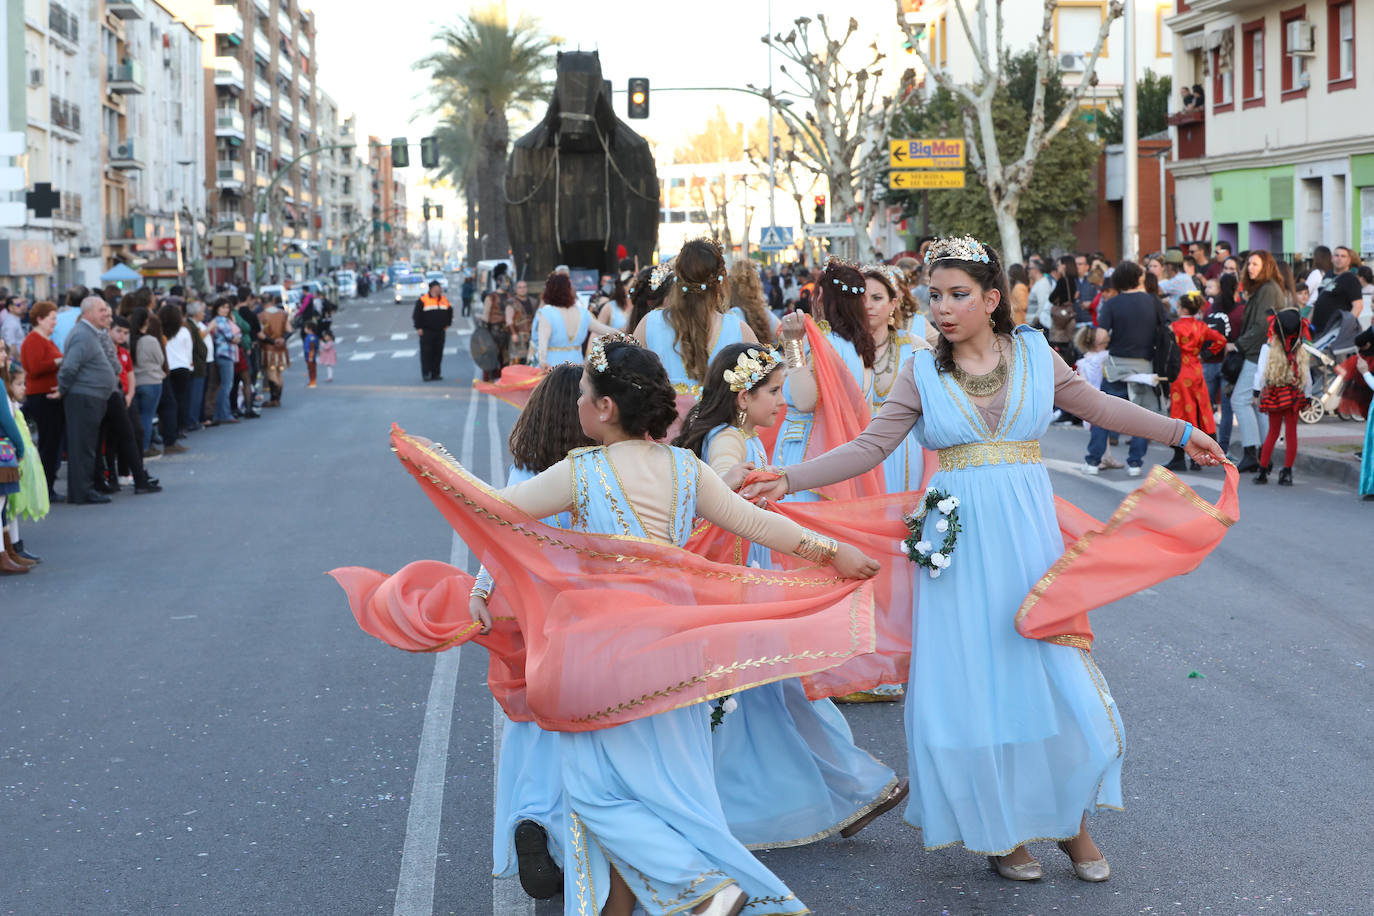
point(458, 164)
point(487, 68)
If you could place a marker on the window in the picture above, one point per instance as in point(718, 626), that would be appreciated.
point(1076, 24)
point(1293, 70)
point(1223, 94)
point(1340, 48)
point(1252, 47)
point(1164, 36)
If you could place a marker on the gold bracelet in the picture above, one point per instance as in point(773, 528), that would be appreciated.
point(479, 592)
point(817, 549)
point(792, 353)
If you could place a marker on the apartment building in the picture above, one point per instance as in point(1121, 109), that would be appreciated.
point(1280, 155)
point(390, 215)
point(355, 197)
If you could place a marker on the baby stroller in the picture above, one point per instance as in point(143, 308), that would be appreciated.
point(1331, 348)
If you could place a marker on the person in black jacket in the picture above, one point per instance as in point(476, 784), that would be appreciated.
point(432, 314)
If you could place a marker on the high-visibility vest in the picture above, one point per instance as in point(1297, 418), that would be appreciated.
point(441, 303)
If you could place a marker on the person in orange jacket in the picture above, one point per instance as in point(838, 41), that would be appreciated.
point(431, 316)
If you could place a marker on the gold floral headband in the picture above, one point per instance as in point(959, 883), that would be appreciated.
point(596, 353)
point(964, 248)
point(895, 278)
point(752, 367)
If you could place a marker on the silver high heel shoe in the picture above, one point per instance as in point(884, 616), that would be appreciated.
point(1029, 871)
point(727, 902)
point(1094, 872)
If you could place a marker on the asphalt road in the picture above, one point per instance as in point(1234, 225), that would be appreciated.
point(191, 722)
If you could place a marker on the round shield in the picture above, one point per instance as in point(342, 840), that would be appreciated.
point(483, 348)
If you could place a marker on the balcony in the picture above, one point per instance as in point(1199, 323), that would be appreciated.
point(260, 178)
point(262, 137)
point(284, 109)
point(66, 118)
point(125, 9)
point(229, 23)
point(1192, 133)
point(229, 174)
point(68, 210)
point(263, 7)
point(261, 46)
point(230, 221)
point(64, 25)
point(285, 70)
point(262, 91)
point(126, 78)
point(229, 123)
point(126, 231)
point(284, 23)
point(302, 41)
point(124, 156)
point(229, 72)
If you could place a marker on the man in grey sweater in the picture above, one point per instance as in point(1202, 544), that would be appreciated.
point(85, 381)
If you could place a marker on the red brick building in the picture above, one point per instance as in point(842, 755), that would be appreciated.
point(1100, 230)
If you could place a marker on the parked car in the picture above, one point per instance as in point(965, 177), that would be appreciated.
point(348, 283)
point(410, 287)
point(438, 275)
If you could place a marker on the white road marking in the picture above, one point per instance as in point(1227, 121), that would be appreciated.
point(354, 325)
point(402, 354)
point(400, 336)
point(355, 357)
point(1117, 480)
point(415, 885)
point(450, 351)
point(363, 338)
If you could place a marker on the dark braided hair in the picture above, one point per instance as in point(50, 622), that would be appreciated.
point(547, 429)
point(845, 310)
point(988, 277)
point(643, 298)
point(638, 384)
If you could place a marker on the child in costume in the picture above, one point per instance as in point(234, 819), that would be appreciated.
point(329, 357)
point(1282, 384)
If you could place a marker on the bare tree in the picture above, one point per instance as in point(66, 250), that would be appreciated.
point(843, 133)
point(1006, 182)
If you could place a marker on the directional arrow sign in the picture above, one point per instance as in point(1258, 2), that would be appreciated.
point(910, 181)
point(926, 154)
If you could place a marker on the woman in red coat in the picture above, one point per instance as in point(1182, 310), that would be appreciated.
point(1188, 398)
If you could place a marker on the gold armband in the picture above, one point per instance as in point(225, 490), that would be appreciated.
point(792, 353)
point(478, 592)
point(817, 549)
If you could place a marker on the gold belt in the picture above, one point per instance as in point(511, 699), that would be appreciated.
point(977, 454)
point(687, 388)
point(563, 349)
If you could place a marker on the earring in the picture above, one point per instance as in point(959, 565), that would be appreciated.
point(741, 417)
point(991, 323)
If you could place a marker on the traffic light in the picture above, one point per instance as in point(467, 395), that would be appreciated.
point(639, 97)
point(438, 211)
point(426, 210)
point(429, 152)
point(400, 153)
point(820, 208)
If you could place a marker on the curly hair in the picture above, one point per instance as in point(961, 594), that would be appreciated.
point(547, 429)
point(695, 298)
point(638, 384)
point(845, 310)
point(643, 297)
point(1269, 271)
point(746, 294)
point(717, 404)
point(989, 276)
point(558, 291)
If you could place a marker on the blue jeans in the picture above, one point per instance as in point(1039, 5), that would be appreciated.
point(197, 406)
point(1216, 391)
point(1097, 439)
point(146, 398)
point(1254, 426)
point(225, 366)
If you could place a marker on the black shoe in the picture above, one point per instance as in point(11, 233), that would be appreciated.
point(1262, 476)
point(540, 875)
point(437, 378)
point(95, 499)
point(149, 487)
point(251, 414)
point(1249, 460)
point(1179, 462)
point(55, 497)
point(1286, 477)
point(106, 486)
point(24, 554)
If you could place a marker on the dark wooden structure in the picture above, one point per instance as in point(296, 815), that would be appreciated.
point(581, 184)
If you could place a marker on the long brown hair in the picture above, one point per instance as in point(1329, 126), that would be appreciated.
point(844, 310)
point(746, 294)
point(696, 297)
point(644, 298)
point(988, 276)
point(717, 404)
point(548, 428)
point(1269, 272)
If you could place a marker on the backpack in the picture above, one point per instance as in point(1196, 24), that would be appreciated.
point(1218, 322)
point(1168, 358)
point(1063, 320)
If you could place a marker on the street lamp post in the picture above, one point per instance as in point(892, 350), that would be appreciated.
point(265, 195)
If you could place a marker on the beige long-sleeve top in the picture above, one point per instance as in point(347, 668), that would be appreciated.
point(902, 409)
point(642, 467)
point(727, 449)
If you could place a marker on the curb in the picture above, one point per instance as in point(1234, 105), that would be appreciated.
point(1330, 465)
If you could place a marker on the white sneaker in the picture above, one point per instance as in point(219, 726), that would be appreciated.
point(727, 902)
point(1133, 471)
point(1089, 469)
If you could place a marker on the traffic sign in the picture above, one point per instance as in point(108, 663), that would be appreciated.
point(908, 181)
point(829, 230)
point(775, 238)
point(926, 154)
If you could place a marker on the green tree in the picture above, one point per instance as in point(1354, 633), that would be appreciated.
point(1061, 189)
point(489, 67)
point(1151, 113)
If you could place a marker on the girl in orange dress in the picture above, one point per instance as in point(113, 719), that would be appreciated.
point(1188, 398)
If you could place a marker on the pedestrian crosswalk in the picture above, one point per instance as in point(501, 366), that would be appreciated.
point(362, 347)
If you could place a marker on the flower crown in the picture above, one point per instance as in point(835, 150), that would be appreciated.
point(895, 278)
point(660, 273)
point(965, 248)
point(834, 263)
point(688, 285)
point(596, 353)
point(752, 367)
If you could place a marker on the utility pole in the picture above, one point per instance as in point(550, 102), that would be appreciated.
point(772, 152)
point(265, 196)
point(1130, 196)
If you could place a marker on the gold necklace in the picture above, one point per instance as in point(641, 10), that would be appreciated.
point(983, 386)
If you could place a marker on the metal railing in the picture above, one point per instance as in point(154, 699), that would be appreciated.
point(69, 208)
point(66, 115)
point(63, 22)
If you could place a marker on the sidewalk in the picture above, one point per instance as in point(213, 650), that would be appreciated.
point(1330, 449)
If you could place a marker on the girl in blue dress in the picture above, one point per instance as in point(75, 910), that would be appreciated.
point(692, 327)
point(561, 325)
point(645, 821)
point(529, 822)
point(748, 303)
point(787, 768)
point(616, 312)
point(1010, 740)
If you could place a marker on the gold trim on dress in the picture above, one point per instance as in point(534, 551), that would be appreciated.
point(882, 798)
point(977, 454)
point(687, 388)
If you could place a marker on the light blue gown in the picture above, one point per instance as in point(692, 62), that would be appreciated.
point(1367, 460)
point(529, 777)
point(773, 320)
point(620, 319)
point(660, 337)
point(796, 426)
point(787, 768)
point(903, 469)
point(563, 349)
point(643, 794)
point(1009, 739)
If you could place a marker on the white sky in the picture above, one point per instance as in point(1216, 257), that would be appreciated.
point(364, 59)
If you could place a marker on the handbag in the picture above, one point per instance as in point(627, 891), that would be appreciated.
point(1231, 366)
point(9, 461)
